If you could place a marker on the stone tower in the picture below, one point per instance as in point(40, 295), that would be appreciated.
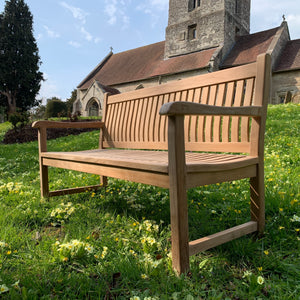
point(196, 25)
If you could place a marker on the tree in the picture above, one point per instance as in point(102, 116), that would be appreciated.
point(55, 108)
point(20, 78)
point(70, 101)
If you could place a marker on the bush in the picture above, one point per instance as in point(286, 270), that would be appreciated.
point(19, 119)
point(56, 108)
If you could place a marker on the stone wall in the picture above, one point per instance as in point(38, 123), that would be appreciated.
point(284, 83)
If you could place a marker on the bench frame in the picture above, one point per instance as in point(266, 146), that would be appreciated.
point(178, 113)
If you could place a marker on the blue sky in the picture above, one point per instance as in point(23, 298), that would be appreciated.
point(73, 36)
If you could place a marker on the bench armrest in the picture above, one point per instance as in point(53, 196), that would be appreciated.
point(43, 125)
point(190, 108)
point(55, 124)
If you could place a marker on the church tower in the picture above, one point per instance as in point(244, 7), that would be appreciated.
point(196, 25)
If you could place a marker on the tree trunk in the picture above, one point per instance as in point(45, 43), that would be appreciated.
point(11, 101)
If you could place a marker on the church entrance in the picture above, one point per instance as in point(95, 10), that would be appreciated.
point(93, 109)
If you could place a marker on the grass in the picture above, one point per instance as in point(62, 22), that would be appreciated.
point(116, 243)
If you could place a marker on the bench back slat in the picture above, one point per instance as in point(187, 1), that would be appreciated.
point(133, 121)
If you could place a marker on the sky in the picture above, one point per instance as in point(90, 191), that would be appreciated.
point(73, 36)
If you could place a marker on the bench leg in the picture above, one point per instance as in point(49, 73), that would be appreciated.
point(179, 229)
point(178, 195)
point(103, 180)
point(257, 196)
point(44, 181)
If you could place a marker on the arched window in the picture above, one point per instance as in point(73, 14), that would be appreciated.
point(94, 108)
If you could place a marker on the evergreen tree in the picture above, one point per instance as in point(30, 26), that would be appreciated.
point(20, 78)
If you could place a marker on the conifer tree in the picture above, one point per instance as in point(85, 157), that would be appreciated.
point(20, 78)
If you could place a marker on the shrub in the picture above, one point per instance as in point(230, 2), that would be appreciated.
point(19, 119)
point(56, 108)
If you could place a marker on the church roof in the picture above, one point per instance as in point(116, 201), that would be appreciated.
point(290, 57)
point(145, 62)
point(248, 47)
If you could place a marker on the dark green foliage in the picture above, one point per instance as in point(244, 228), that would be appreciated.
point(56, 108)
point(20, 77)
point(19, 119)
point(70, 101)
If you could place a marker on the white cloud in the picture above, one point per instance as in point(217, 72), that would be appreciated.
point(153, 8)
point(77, 12)
point(86, 34)
point(116, 11)
point(74, 44)
point(51, 33)
point(111, 10)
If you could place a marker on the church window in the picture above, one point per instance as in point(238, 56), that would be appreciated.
point(194, 4)
point(192, 32)
point(237, 6)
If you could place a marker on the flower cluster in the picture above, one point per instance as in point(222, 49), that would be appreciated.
point(74, 250)
point(11, 187)
point(62, 213)
point(4, 288)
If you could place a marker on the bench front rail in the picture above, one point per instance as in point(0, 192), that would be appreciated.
point(195, 120)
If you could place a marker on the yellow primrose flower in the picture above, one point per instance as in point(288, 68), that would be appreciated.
point(260, 280)
point(144, 276)
point(281, 227)
point(266, 252)
point(3, 289)
point(259, 269)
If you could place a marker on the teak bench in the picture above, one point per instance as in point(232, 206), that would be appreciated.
point(197, 120)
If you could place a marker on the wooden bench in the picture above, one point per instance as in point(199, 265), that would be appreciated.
point(196, 120)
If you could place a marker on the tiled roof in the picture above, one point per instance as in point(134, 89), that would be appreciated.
point(290, 57)
point(248, 47)
point(145, 62)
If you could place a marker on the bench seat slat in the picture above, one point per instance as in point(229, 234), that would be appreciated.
point(154, 161)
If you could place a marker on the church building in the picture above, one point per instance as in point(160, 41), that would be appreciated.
point(202, 36)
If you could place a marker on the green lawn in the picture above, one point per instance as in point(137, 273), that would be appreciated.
point(116, 243)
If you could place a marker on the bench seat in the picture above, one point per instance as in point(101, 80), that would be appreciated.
point(150, 162)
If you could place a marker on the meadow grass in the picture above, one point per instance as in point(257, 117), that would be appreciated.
point(115, 243)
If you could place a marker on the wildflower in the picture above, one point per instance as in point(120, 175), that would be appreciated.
point(266, 252)
point(281, 227)
point(247, 274)
point(8, 252)
point(16, 284)
point(104, 252)
point(259, 269)
point(89, 248)
point(295, 219)
point(281, 209)
point(3, 289)
point(65, 259)
point(2, 244)
point(294, 201)
point(135, 298)
point(260, 280)
point(144, 276)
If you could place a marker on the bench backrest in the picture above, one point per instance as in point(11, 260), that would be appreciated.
point(132, 119)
